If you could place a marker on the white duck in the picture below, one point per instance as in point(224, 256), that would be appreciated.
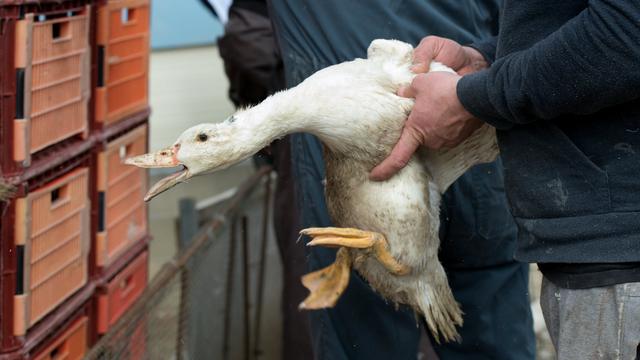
point(388, 230)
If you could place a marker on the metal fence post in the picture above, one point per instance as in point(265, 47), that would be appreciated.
point(245, 286)
point(187, 229)
point(229, 290)
point(188, 215)
point(261, 268)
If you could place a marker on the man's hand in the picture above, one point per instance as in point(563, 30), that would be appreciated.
point(462, 59)
point(437, 120)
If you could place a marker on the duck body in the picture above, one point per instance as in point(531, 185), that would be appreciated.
point(353, 109)
point(405, 208)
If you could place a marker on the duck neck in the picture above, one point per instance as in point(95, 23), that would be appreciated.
point(285, 113)
point(272, 119)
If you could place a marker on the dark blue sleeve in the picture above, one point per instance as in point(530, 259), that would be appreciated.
point(487, 48)
point(589, 63)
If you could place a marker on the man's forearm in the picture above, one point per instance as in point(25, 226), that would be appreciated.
point(588, 64)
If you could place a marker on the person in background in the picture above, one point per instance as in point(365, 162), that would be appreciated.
point(561, 84)
point(478, 233)
point(254, 68)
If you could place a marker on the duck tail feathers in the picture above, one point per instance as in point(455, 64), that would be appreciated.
point(439, 308)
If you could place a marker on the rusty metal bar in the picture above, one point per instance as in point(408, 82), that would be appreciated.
point(245, 286)
point(182, 313)
point(261, 269)
point(188, 226)
point(229, 291)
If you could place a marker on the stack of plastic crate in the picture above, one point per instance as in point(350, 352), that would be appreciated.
point(73, 235)
point(121, 111)
point(46, 153)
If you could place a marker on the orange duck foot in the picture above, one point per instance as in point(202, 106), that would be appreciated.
point(326, 285)
point(357, 239)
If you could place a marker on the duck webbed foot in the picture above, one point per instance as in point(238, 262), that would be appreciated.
point(326, 285)
point(374, 242)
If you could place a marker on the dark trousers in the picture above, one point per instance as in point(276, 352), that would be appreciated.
point(296, 339)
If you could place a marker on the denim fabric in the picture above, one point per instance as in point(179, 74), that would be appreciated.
point(478, 241)
point(595, 323)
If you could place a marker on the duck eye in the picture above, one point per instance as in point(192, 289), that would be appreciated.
point(202, 137)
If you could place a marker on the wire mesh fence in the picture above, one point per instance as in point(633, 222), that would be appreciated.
point(207, 303)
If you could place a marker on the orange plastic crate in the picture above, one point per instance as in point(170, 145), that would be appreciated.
point(121, 292)
point(121, 188)
point(71, 345)
point(52, 231)
point(52, 56)
point(123, 59)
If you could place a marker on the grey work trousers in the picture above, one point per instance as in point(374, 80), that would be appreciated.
point(596, 323)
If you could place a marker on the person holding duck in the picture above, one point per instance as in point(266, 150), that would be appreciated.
point(561, 84)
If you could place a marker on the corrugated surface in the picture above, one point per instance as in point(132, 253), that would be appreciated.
point(121, 188)
point(56, 228)
point(122, 291)
point(55, 56)
point(71, 345)
point(123, 40)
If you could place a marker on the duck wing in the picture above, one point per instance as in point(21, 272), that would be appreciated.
point(447, 165)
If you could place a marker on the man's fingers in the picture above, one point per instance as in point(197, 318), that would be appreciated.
point(399, 157)
point(426, 51)
point(420, 68)
point(406, 91)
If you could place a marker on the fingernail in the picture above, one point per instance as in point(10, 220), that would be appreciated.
point(418, 68)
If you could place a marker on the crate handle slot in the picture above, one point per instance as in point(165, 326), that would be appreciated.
point(61, 30)
point(125, 151)
point(59, 352)
point(126, 285)
point(127, 16)
point(59, 196)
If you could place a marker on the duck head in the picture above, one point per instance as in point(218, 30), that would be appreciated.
point(200, 149)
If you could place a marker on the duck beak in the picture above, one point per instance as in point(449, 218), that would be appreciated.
point(167, 183)
point(164, 158)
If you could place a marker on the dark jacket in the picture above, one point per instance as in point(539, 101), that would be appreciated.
point(564, 91)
